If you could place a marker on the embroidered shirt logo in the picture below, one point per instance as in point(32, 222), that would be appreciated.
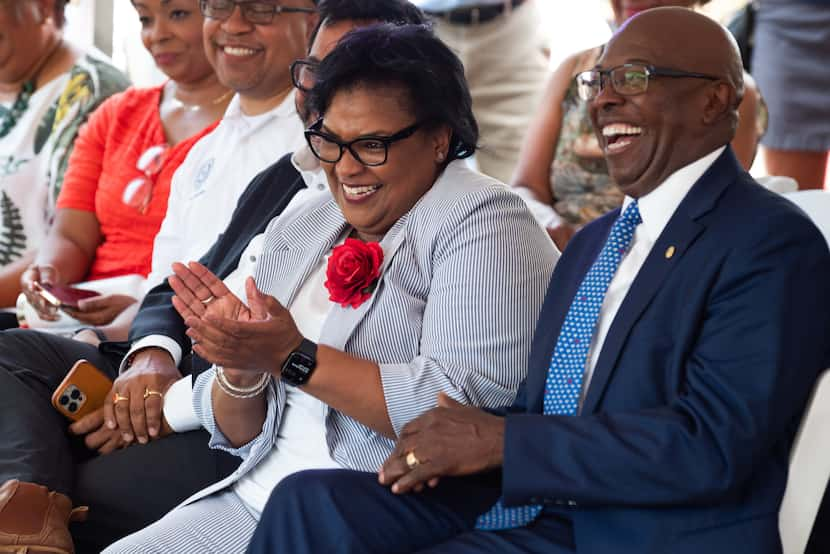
point(202, 176)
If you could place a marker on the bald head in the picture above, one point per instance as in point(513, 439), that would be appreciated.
point(680, 37)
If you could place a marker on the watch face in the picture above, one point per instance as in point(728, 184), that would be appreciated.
point(298, 368)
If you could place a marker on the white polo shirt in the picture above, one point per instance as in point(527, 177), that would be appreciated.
point(217, 170)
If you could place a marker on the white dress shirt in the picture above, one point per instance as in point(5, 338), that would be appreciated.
point(656, 209)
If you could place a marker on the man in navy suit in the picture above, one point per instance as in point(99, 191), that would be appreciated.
point(697, 318)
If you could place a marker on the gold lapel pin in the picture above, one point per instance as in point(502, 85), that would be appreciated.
point(669, 252)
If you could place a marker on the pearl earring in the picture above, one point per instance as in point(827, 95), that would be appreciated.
point(440, 157)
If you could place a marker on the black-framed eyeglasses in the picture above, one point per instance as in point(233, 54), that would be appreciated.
point(304, 74)
point(258, 13)
point(628, 79)
point(370, 150)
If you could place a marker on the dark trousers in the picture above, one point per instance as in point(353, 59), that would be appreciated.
point(125, 490)
point(341, 511)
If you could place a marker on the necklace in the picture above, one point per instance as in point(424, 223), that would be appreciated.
point(193, 107)
point(10, 116)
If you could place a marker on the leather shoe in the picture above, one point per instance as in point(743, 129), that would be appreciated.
point(34, 520)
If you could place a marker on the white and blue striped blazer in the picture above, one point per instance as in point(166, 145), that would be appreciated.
point(463, 279)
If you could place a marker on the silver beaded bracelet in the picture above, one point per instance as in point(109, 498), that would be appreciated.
point(240, 392)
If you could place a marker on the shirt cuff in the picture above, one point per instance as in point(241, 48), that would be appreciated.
point(542, 213)
point(154, 341)
point(178, 406)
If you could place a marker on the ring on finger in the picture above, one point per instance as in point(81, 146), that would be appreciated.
point(116, 398)
point(149, 392)
point(412, 460)
point(208, 300)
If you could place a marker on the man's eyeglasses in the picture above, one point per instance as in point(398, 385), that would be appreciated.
point(629, 79)
point(258, 13)
point(138, 192)
point(368, 150)
point(304, 74)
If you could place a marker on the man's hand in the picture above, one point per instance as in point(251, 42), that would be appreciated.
point(143, 384)
point(450, 440)
point(100, 310)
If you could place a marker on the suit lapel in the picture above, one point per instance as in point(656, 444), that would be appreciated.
point(341, 322)
point(680, 233)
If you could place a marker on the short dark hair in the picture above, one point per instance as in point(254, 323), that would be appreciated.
point(399, 12)
point(410, 56)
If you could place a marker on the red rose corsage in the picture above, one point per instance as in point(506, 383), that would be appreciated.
point(353, 272)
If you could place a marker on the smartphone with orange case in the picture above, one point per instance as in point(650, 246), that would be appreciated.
point(83, 390)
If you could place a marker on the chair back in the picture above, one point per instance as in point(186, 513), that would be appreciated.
point(816, 204)
point(809, 470)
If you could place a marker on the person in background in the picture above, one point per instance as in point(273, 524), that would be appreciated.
point(671, 362)
point(434, 242)
point(562, 172)
point(502, 48)
point(789, 61)
point(250, 45)
point(114, 195)
point(48, 88)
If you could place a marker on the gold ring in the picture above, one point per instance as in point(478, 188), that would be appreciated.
point(148, 393)
point(412, 461)
point(116, 398)
point(208, 300)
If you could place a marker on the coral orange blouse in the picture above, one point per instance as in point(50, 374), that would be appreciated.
point(103, 163)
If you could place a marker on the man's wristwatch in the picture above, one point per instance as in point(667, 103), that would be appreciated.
point(300, 364)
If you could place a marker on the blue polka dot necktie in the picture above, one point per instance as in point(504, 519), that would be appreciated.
point(563, 385)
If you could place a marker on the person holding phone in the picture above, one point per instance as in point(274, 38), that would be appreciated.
point(48, 88)
point(361, 304)
point(114, 195)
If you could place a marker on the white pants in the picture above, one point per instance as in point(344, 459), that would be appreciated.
point(217, 524)
point(506, 70)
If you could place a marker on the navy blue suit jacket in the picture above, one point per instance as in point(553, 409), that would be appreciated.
point(683, 440)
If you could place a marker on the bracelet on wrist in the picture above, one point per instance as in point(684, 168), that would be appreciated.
point(240, 392)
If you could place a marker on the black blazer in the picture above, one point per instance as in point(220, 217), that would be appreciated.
point(264, 199)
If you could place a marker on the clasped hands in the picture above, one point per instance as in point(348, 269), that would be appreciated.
point(245, 339)
point(450, 440)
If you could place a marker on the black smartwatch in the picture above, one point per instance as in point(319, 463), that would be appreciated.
point(300, 364)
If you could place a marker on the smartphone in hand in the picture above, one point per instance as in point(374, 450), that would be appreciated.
point(63, 296)
point(83, 390)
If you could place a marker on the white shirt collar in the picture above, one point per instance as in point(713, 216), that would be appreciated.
point(251, 123)
point(309, 167)
point(658, 206)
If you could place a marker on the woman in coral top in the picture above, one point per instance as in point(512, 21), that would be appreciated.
point(115, 191)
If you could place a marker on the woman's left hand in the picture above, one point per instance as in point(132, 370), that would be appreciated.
point(100, 310)
point(258, 337)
